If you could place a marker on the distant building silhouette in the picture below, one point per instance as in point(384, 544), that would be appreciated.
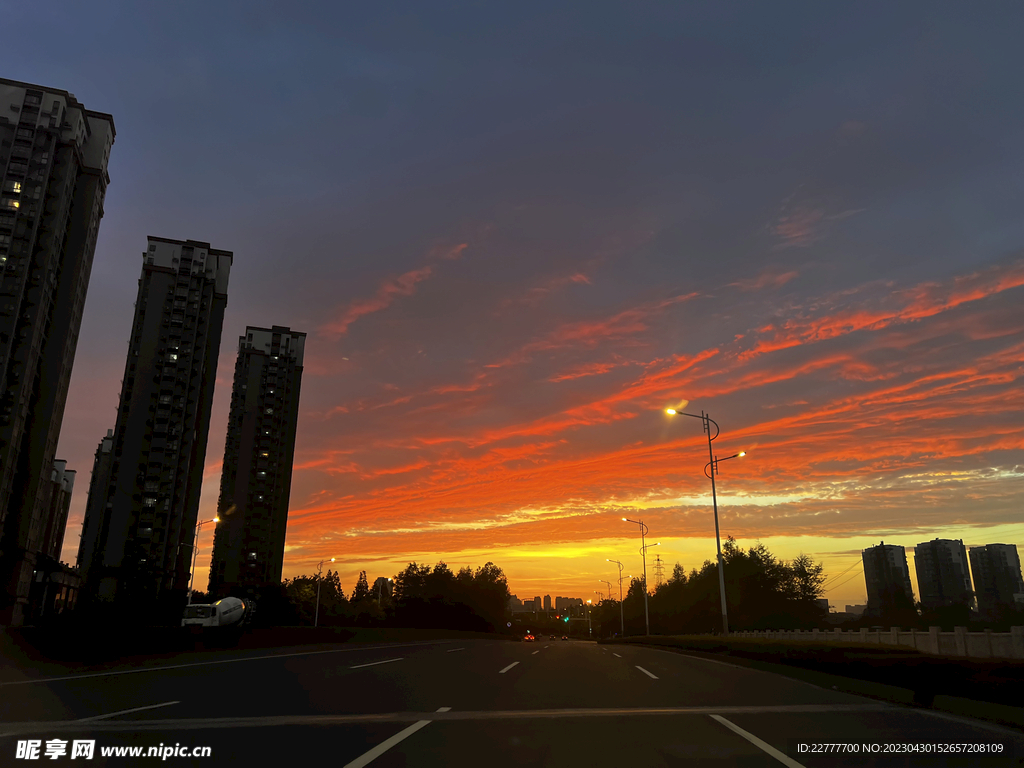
point(53, 179)
point(151, 492)
point(943, 575)
point(887, 578)
point(248, 545)
point(856, 610)
point(997, 578)
point(95, 502)
point(382, 587)
point(547, 603)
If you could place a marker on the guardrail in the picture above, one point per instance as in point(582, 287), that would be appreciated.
point(959, 642)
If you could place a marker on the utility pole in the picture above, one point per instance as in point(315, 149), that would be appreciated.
point(658, 572)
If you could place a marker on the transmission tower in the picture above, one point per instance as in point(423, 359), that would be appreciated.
point(658, 572)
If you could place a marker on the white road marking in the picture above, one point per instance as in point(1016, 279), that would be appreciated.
point(615, 654)
point(375, 663)
point(785, 759)
point(506, 669)
point(126, 712)
point(384, 746)
point(111, 673)
point(453, 650)
point(653, 677)
point(268, 721)
point(535, 653)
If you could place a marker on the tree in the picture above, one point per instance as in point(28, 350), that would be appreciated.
point(362, 589)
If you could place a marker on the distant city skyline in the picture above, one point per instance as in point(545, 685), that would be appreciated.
point(510, 254)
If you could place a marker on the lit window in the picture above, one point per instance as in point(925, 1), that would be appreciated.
point(149, 503)
point(173, 356)
point(10, 203)
point(12, 186)
point(270, 410)
point(264, 454)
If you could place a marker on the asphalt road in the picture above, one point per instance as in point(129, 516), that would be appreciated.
point(476, 703)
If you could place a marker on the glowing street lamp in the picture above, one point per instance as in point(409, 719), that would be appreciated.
point(643, 551)
point(713, 464)
point(316, 616)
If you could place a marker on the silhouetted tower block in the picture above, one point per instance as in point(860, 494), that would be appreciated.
point(53, 180)
point(248, 547)
point(943, 574)
point(997, 579)
point(887, 578)
point(150, 497)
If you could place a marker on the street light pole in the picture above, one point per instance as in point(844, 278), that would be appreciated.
point(316, 615)
point(590, 628)
point(713, 464)
point(622, 620)
point(195, 552)
point(643, 551)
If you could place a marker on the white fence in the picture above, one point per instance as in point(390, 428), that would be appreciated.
point(960, 642)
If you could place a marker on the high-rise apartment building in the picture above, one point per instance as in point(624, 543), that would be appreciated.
point(997, 578)
point(53, 179)
point(55, 496)
point(887, 577)
point(547, 603)
point(943, 575)
point(151, 490)
point(248, 545)
point(95, 503)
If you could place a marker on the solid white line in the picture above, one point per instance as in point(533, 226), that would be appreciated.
point(653, 677)
point(113, 672)
point(615, 654)
point(196, 724)
point(444, 709)
point(126, 711)
point(375, 663)
point(535, 653)
point(453, 650)
point(786, 760)
point(506, 669)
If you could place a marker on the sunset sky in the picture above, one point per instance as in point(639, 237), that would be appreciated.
point(516, 233)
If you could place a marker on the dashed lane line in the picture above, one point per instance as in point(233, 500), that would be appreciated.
point(114, 672)
point(453, 650)
point(368, 757)
point(615, 654)
point(650, 675)
point(783, 758)
point(126, 712)
point(506, 669)
point(375, 663)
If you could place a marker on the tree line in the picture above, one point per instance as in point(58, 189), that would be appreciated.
point(762, 592)
point(422, 596)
